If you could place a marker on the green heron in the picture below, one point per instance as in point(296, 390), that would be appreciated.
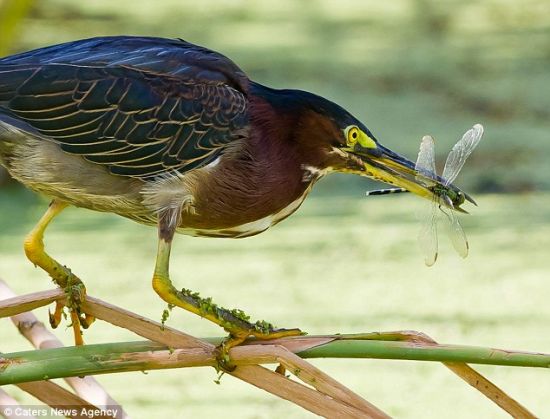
point(172, 134)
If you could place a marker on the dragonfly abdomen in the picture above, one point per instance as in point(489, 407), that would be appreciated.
point(386, 191)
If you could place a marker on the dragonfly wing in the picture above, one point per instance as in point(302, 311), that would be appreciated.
point(427, 237)
point(460, 152)
point(457, 235)
point(425, 163)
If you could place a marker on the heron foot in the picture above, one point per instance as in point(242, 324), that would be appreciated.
point(61, 275)
point(75, 295)
point(261, 330)
point(235, 321)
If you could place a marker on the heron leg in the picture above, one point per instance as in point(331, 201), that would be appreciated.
point(61, 275)
point(235, 322)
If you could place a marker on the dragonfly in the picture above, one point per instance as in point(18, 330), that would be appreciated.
point(444, 197)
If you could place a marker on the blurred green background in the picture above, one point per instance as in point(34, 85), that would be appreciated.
point(343, 263)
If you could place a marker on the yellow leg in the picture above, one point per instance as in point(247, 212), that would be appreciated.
point(34, 246)
point(233, 321)
point(61, 275)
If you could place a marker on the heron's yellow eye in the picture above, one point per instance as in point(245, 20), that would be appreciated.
point(355, 135)
point(352, 135)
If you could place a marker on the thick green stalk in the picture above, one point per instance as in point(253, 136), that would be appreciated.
point(146, 355)
point(441, 353)
point(72, 361)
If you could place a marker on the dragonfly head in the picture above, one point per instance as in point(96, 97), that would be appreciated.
point(451, 197)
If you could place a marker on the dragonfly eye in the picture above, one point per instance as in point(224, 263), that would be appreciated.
point(460, 198)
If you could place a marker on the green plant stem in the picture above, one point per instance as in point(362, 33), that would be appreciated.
point(146, 355)
point(414, 351)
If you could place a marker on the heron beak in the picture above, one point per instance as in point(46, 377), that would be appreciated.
point(386, 166)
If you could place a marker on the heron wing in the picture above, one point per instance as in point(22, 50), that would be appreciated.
point(142, 107)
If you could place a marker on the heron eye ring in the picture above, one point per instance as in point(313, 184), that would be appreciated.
point(352, 135)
